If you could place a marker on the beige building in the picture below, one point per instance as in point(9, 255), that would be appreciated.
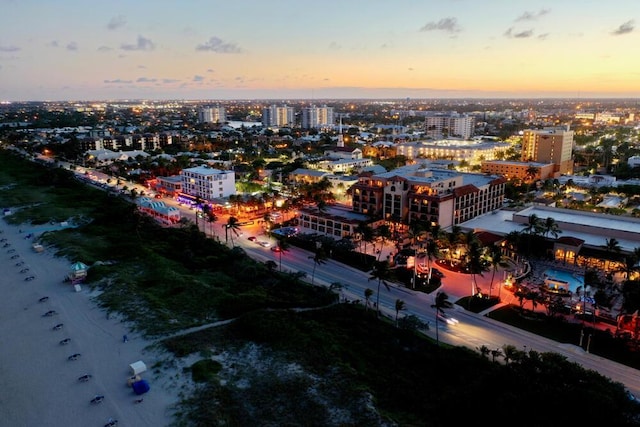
point(519, 170)
point(549, 145)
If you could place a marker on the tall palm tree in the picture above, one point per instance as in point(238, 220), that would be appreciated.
point(400, 305)
point(497, 260)
point(232, 224)
point(283, 246)
point(475, 264)
point(319, 258)
point(433, 252)
point(384, 233)
point(441, 302)
point(381, 272)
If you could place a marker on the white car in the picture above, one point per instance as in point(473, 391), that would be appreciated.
point(443, 317)
point(263, 243)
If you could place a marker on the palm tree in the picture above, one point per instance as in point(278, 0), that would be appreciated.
point(496, 260)
point(475, 265)
point(400, 305)
point(319, 258)
point(283, 246)
point(433, 252)
point(367, 296)
point(384, 233)
point(381, 272)
point(550, 226)
point(441, 302)
point(232, 224)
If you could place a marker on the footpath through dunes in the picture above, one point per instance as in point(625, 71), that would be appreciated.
point(40, 384)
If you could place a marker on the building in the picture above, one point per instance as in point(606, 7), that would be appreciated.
point(334, 221)
point(282, 116)
point(169, 185)
point(471, 151)
point(519, 170)
point(208, 183)
point(583, 235)
point(549, 145)
point(212, 115)
point(449, 125)
point(317, 117)
point(439, 196)
point(159, 210)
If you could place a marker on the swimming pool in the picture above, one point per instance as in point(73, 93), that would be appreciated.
point(572, 280)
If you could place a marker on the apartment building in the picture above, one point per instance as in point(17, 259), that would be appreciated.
point(208, 183)
point(318, 117)
point(212, 115)
point(278, 116)
point(439, 196)
point(449, 125)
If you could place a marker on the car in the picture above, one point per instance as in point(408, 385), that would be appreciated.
point(276, 249)
point(444, 317)
point(263, 243)
point(252, 238)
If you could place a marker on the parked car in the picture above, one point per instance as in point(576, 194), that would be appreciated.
point(252, 238)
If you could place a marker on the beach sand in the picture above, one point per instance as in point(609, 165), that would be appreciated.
point(39, 385)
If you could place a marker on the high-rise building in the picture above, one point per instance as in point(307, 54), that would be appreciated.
point(317, 117)
point(212, 115)
point(549, 145)
point(278, 116)
point(449, 125)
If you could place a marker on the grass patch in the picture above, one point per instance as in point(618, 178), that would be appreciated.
point(205, 370)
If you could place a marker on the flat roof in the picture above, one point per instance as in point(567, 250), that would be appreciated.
point(501, 222)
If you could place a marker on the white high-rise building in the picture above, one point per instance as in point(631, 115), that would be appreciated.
point(449, 125)
point(278, 116)
point(317, 117)
point(208, 183)
point(212, 115)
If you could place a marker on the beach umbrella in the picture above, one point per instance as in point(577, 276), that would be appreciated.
point(141, 387)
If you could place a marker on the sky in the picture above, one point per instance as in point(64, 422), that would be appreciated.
point(83, 50)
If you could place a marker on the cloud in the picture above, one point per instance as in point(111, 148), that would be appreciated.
point(170, 80)
point(625, 28)
point(448, 25)
point(217, 45)
point(198, 78)
point(118, 81)
point(53, 43)
point(9, 48)
point(532, 16)
point(210, 70)
point(145, 80)
point(334, 46)
point(141, 44)
point(520, 35)
point(104, 49)
point(72, 46)
point(543, 36)
point(117, 22)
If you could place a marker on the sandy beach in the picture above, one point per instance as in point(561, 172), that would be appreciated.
point(39, 384)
